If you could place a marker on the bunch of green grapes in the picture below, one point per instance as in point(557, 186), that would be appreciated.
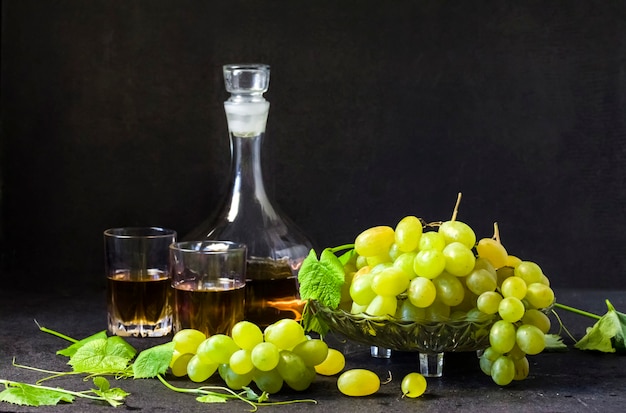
point(282, 354)
point(440, 272)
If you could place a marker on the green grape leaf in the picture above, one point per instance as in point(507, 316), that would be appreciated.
point(110, 355)
point(153, 361)
point(554, 342)
point(27, 395)
point(115, 397)
point(212, 398)
point(608, 334)
point(71, 350)
point(322, 280)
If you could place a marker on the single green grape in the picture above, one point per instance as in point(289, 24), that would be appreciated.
point(333, 364)
point(199, 371)
point(487, 358)
point(179, 362)
point(246, 335)
point(241, 361)
point(539, 295)
point(488, 302)
point(457, 231)
point(431, 240)
point(460, 259)
point(408, 233)
point(405, 262)
point(450, 290)
point(390, 282)
point(511, 309)
point(187, 340)
point(312, 352)
point(437, 311)
point(503, 370)
point(421, 292)
point(374, 241)
point(294, 371)
point(265, 356)
point(382, 305)
point(529, 272)
point(429, 263)
point(502, 336)
point(522, 368)
point(538, 319)
point(358, 382)
point(268, 381)
point(493, 251)
point(361, 289)
point(530, 339)
point(233, 380)
point(217, 349)
point(375, 260)
point(413, 385)
point(480, 281)
point(514, 287)
point(409, 312)
point(285, 333)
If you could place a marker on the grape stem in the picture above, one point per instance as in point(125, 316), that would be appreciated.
point(496, 232)
point(577, 311)
point(456, 207)
point(341, 248)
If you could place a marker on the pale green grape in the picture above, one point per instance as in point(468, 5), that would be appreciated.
point(179, 362)
point(529, 272)
point(361, 289)
point(233, 380)
point(358, 382)
point(503, 273)
point(511, 309)
point(268, 381)
point(361, 262)
point(450, 290)
point(285, 333)
point(375, 260)
point(493, 251)
point(512, 261)
point(413, 385)
point(405, 262)
point(265, 356)
point(522, 368)
point(480, 281)
point(422, 292)
point(188, 340)
point(374, 241)
point(503, 370)
point(516, 353)
point(485, 264)
point(431, 240)
point(437, 311)
point(457, 231)
point(539, 295)
point(502, 336)
point(358, 309)
point(217, 349)
point(241, 361)
point(333, 364)
point(312, 352)
point(488, 302)
point(408, 312)
point(408, 233)
point(459, 258)
point(246, 335)
point(538, 319)
point(514, 287)
point(487, 358)
point(199, 371)
point(429, 263)
point(294, 371)
point(530, 339)
point(390, 282)
point(382, 305)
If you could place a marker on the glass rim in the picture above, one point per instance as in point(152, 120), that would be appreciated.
point(208, 246)
point(246, 66)
point(139, 232)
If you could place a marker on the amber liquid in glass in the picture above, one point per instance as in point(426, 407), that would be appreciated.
point(138, 302)
point(212, 310)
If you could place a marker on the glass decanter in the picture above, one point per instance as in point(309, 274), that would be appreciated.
point(276, 247)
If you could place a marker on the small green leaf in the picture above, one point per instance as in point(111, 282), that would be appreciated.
point(27, 395)
point(71, 350)
point(153, 361)
point(212, 398)
point(102, 383)
point(554, 342)
point(322, 280)
point(111, 355)
point(115, 397)
point(608, 334)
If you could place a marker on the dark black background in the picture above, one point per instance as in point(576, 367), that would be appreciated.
point(112, 116)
